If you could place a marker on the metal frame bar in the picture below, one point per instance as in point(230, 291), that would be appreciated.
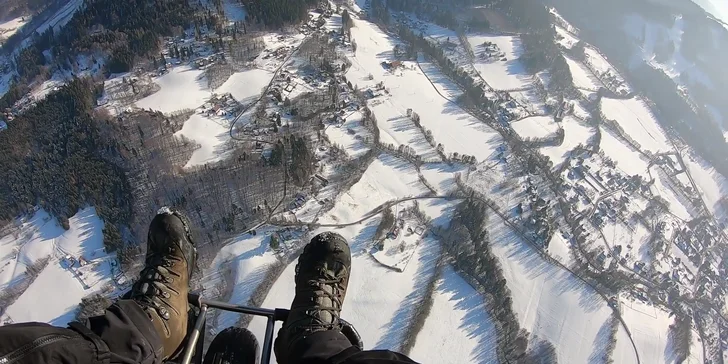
point(194, 344)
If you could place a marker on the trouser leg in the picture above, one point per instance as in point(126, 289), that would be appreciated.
point(128, 332)
point(333, 347)
point(123, 334)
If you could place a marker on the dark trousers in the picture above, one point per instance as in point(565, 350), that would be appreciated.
point(332, 347)
point(124, 334)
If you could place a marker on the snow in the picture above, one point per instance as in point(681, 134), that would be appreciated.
point(627, 159)
point(567, 40)
point(247, 85)
point(398, 129)
point(712, 185)
point(679, 205)
point(598, 61)
point(559, 248)
point(442, 176)
point(651, 36)
point(624, 352)
point(397, 253)
point(638, 122)
point(649, 326)
point(550, 302)
point(353, 144)
point(575, 133)
point(535, 127)
point(583, 78)
point(459, 328)
point(182, 88)
point(234, 11)
point(248, 257)
point(61, 17)
point(211, 133)
point(501, 75)
point(83, 239)
point(410, 88)
point(10, 27)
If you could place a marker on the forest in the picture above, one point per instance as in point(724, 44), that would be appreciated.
point(276, 13)
point(53, 157)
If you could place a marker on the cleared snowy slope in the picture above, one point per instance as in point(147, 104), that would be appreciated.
point(181, 88)
point(458, 329)
point(247, 85)
point(246, 258)
point(409, 88)
point(211, 134)
point(638, 122)
point(503, 71)
point(550, 302)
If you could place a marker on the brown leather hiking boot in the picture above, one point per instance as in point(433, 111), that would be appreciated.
point(322, 275)
point(163, 284)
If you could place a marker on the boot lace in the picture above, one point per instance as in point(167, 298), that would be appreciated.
point(314, 315)
point(148, 290)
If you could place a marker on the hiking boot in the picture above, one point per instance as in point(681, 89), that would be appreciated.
point(163, 284)
point(322, 275)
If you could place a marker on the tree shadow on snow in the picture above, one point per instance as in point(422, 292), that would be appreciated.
point(600, 353)
point(536, 267)
point(397, 329)
point(477, 323)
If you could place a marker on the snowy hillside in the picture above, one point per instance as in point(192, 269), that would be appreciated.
point(77, 266)
point(599, 227)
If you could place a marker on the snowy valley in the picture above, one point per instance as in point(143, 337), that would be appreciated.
point(494, 215)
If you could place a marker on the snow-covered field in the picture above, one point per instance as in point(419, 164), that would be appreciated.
point(247, 258)
point(583, 78)
point(600, 64)
point(353, 144)
point(550, 302)
point(567, 40)
point(508, 74)
point(575, 133)
point(410, 88)
point(10, 27)
point(649, 326)
point(211, 133)
point(247, 85)
point(535, 127)
point(182, 88)
point(712, 185)
point(459, 329)
point(398, 129)
point(627, 160)
point(41, 236)
point(638, 122)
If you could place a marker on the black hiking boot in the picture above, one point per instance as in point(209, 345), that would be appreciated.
point(322, 275)
point(233, 345)
point(163, 284)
